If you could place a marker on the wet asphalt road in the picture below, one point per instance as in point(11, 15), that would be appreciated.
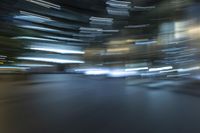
point(59, 103)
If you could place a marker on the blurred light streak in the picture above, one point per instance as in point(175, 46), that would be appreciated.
point(101, 21)
point(180, 56)
point(172, 49)
point(118, 42)
point(56, 50)
point(137, 65)
point(145, 42)
point(122, 73)
point(119, 4)
point(109, 20)
point(118, 50)
point(168, 71)
point(136, 69)
point(45, 4)
point(53, 60)
point(143, 8)
point(194, 30)
point(108, 72)
point(85, 35)
point(33, 65)
point(126, 6)
point(64, 38)
point(117, 11)
point(3, 56)
point(12, 67)
point(95, 30)
point(91, 29)
point(186, 61)
point(110, 31)
point(160, 68)
point(149, 74)
point(38, 28)
point(32, 17)
point(189, 69)
point(96, 72)
point(137, 26)
point(178, 75)
point(33, 38)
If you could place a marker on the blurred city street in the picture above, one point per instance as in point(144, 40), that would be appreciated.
point(59, 103)
point(99, 66)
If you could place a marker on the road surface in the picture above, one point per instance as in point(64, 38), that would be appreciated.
point(59, 103)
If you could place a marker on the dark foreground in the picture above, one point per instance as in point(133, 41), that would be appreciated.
point(76, 104)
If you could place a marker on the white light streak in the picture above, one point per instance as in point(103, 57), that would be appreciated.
point(189, 69)
point(33, 38)
point(160, 68)
point(33, 65)
point(39, 28)
point(45, 4)
point(136, 69)
point(53, 60)
point(56, 50)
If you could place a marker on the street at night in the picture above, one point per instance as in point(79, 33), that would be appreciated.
point(99, 66)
